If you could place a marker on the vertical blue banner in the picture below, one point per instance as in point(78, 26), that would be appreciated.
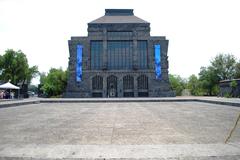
point(158, 69)
point(79, 63)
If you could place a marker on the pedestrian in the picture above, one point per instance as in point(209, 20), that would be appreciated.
point(1, 95)
point(12, 95)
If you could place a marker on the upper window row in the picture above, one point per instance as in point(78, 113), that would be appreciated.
point(119, 34)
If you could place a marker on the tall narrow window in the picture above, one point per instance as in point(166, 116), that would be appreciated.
point(97, 83)
point(128, 86)
point(96, 54)
point(79, 63)
point(158, 69)
point(128, 82)
point(120, 54)
point(142, 82)
point(142, 54)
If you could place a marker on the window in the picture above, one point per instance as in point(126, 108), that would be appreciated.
point(128, 82)
point(96, 55)
point(119, 35)
point(142, 82)
point(97, 83)
point(142, 54)
point(120, 54)
point(128, 86)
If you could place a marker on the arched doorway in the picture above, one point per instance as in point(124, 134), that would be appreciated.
point(97, 86)
point(112, 86)
point(128, 86)
point(142, 82)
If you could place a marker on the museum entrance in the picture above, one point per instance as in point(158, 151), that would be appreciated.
point(112, 86)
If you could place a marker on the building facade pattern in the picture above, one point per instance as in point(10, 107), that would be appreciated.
point(118, 59)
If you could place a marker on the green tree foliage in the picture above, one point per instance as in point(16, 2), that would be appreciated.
point(54, 83)
point(237, 70)
point(14, 66)
point(32, 72)
point(194, 85)
point(224, 66)
point(42, 77)
point(209, 80)
point(233, 85)
point(177, 84)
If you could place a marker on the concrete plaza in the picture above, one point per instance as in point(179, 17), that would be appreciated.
point(160, 124)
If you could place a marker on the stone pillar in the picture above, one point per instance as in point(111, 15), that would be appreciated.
point(104, 86)
point(151, 55)
point(120, 86)
point(135, 65)
point(135, 89)
point(105, 62)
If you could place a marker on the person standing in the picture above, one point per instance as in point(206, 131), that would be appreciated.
point(1, 95)
point(12, 95)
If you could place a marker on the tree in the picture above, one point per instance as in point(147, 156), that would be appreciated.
point(177, 84)
point(54, 83)
point(233, 86)
point(237, 70)
point(42, 77)
point(40, 91)
point(224, 66)
point(194, 85)
point(32, 72)
point(208, 80)
point(14, 66)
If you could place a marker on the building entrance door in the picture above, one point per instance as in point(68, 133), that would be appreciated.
point(112, 86)
point(112, 91)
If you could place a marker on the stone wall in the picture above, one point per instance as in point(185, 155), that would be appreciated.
point(227, 90)
point(157, 88)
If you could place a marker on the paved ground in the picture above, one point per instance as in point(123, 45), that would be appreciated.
point(189, 125)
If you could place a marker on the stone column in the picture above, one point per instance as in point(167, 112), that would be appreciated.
point(105, 62)
point(120, 86)
point(135, 89)
point(135, 65)
point(104, 86)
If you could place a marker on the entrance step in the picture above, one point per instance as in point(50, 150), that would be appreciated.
point(163, 152)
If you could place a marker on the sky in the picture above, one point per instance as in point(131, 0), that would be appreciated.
point(197, 30)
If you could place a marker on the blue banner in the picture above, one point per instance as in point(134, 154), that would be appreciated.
point(79, 63)
point(158, 69)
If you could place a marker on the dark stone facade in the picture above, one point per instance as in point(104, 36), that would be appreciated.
point(112, 81)
point(227, 90)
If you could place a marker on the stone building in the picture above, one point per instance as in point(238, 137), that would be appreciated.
point(226, 88)
point(118, 58)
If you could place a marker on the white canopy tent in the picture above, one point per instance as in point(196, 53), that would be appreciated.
point(10, 86)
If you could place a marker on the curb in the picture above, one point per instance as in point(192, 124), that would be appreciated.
point(19, 103)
